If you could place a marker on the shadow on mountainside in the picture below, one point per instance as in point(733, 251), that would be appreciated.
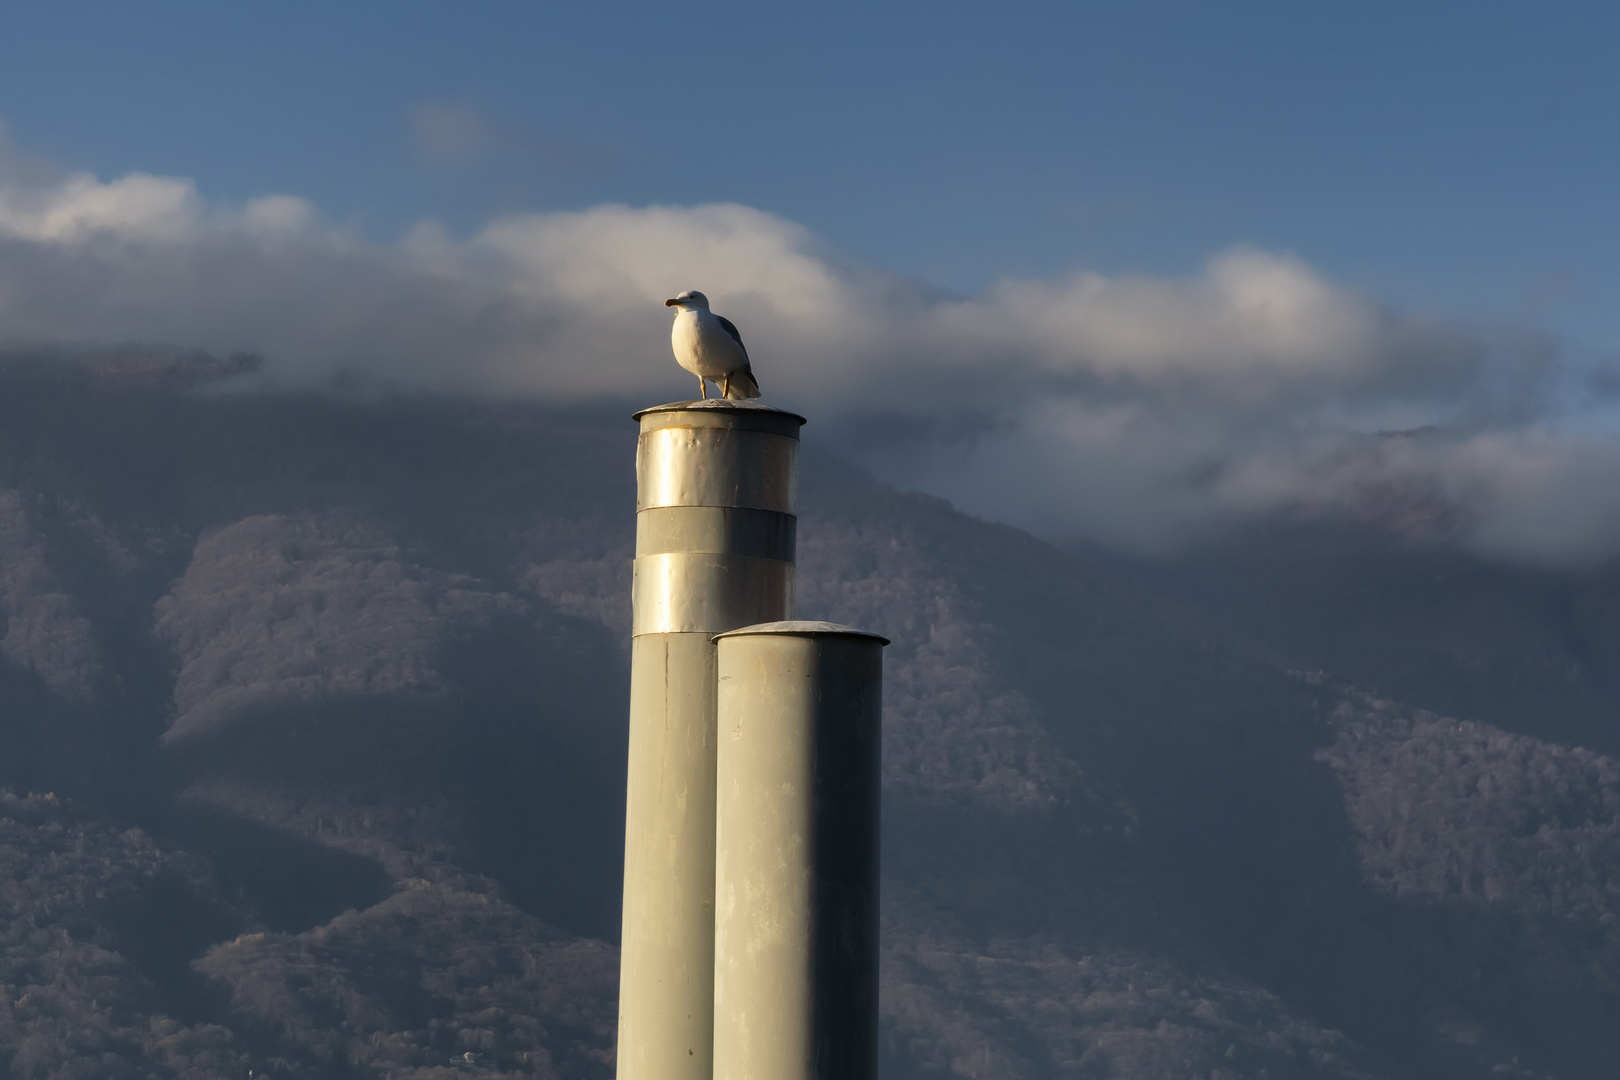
point(521, 756)
point(1528, 649)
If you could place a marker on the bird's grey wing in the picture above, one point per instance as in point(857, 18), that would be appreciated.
point(725, 324)
point(742, 384)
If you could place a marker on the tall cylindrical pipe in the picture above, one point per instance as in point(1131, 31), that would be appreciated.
point(796, 853)
point(716, 483)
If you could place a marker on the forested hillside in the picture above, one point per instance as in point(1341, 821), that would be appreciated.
point(312, 733)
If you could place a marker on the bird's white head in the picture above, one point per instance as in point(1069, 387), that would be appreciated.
point(690, 300)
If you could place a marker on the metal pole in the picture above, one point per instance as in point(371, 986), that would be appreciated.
point(796, 853)
point(716, 483)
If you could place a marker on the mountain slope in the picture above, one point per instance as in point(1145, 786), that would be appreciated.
point(347, 674)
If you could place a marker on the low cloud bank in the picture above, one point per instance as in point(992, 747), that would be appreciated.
point(1141, 411)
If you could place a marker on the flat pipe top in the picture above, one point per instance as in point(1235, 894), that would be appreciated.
point(720, 412)
point(717, 403)
point(802, 628)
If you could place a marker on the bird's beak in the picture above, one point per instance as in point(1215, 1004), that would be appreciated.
point(672, 303)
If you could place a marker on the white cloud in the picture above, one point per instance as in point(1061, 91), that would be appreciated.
point(81, 207)
point(1139, 409)
point(275, 214)
point(1252, 317)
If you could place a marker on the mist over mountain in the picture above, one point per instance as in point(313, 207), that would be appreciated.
point(312, 736)
point(1153, 411)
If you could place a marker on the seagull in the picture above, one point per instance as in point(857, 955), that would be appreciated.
point(709, 347)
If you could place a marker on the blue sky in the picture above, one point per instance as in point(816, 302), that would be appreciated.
point(1458, 156)
point(1135, 272)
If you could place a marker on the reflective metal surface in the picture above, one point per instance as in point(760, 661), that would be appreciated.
point(681, 593)
point(717, 466)
point(716, 485)
point(750, 415)
point(803, 627)
point(796, 853)
point(666, 972)
point(765, 534)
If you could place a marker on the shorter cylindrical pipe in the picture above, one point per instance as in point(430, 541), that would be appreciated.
point(796, 852)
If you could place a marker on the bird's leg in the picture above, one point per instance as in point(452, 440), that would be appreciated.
point(703, 388)
point(725, 386)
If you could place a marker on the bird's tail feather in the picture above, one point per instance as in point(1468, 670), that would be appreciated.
point(742, 385)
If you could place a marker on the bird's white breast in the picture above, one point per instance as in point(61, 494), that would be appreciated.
point(703, 347)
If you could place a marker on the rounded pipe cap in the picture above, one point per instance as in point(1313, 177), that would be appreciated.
point(802, 628)
point(718, 404)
